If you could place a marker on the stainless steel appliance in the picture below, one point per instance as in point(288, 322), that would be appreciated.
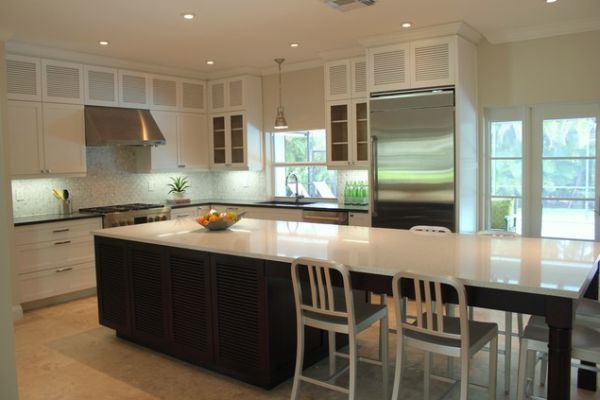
point(130, 214)
point(412, 160)
point(120, 126)
point(325, 217)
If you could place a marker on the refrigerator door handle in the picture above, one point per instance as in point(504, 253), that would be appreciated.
point(374, 176)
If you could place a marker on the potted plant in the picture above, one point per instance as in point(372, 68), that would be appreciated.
point(178, 186)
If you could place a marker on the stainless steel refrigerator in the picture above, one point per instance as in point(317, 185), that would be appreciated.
point(412, 160)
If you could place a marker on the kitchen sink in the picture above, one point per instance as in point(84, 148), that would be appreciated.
point(284, 203)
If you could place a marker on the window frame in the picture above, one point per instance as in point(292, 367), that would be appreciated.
point(275, 164)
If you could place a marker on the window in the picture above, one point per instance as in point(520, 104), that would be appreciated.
point(303, 154)
point(541, 176)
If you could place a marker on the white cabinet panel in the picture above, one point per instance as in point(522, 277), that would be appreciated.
point(228, 94)
point(25, 126)
point(164, 93)
point(337, 80)
point(193, 95)
point(236, 94)
point(359, 219)
point(388, 68)
point(101, 86)
point(44, 255)
point(62, 82)
point(217, 95)
point(358, 68)
point(193, 141)
point(133, 89)
point(56, 231)
point(432, 62)
point(189, 212)
point(64, 138)
point(23, 78)
point(164, 157)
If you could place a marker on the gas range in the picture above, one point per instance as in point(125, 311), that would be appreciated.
point(130, 214)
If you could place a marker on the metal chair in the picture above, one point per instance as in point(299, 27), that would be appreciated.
point(322, 309)
point(585, 346)
point(434, 332)
point(508, 316)
point(430, 229)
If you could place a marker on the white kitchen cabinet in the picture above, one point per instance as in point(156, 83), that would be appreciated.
point(134, 89)
point(62, 82)
point(54, 134)
point(186, 147)
point(235, 142)
point(189, 212)
point(347, 134)
point(233, 94)
point(359, 219)
point(23, 78)
point(270, 213)
point(412, 65)
point(337, 80)
point(164, 93)
point(55, 258)
point(358, 77)
point(192, 95)
point(101, 86)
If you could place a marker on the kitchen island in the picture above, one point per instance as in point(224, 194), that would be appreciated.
point(224, 300)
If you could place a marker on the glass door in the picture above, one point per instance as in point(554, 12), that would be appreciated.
point(361, 131)
point(338, 137)
point(218, 140)
point(564, 162)
point(236, 123)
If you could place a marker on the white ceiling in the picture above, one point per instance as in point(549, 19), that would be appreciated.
point(251, 33)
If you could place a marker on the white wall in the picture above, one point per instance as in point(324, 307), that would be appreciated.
point(557, 69)
point(8, 376)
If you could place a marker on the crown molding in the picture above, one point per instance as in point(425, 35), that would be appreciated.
point(453, 28)
point(338, 54)
point(227, 73)
point(33, 50)
point(543, 31)
point(293, 67)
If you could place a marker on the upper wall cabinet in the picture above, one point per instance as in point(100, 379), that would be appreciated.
point(62, 82)
point(134, 91)
point(101, 86)
point(23, 78)
point(418, 64)
point(164, 93)
point(228, 94)
point(192, 95)
point(346, 79)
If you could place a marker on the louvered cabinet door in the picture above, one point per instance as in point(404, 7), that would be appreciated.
point(134, 91)
point(432, 62)
point(216, 94)
point(112, 279)
point(148, 294)
point(240, 320)
point(191, 321)
point(62, 82)
point(101, 86)
point(23, 78)
point(337, 80)
point(388, 68)
point(192, 95)
point(164, 94)
point(235, 90)
point(358, 75)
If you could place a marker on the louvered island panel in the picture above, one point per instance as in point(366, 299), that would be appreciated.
point(239, 310)
point(147, 294)
point(113, 286)
point(190, 304)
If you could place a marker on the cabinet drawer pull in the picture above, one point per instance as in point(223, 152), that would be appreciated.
point(63, 242)
point(60, 230)
point(64, 269)
point(183, 216)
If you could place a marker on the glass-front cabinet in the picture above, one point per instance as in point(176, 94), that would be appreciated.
point(347, 134)
point(228, 134)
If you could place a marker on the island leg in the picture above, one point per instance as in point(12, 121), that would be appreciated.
point(587, 379)
point(559, 317)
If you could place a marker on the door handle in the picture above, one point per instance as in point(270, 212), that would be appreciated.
point(374, 176)
point(63, 242)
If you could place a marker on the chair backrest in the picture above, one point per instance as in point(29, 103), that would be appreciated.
point(430, 228)
point(322, 295)
point(429, 302)
point(498, 233)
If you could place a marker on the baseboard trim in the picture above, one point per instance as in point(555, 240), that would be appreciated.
point(17, 312)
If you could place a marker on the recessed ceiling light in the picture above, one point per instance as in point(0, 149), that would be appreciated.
point(188, 15)
point(406, 25)
point(103, 42)
point(210, 62)
point(550, 1)
point(294, 44)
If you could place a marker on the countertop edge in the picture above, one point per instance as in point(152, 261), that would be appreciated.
point(46, 219)
point(313, 206)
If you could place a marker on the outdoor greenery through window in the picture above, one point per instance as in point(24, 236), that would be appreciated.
point(302, 153)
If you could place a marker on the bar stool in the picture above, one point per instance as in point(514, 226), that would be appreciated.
point(434, 332)
point(322, 309)
point(430, 229)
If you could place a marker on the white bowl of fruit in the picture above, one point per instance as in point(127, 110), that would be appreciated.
point(218, 221)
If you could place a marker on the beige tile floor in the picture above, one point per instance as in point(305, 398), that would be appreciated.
point(63, 354)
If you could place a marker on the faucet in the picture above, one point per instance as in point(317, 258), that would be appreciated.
point(287, 181)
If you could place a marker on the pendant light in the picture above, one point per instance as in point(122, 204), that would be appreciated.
point(280, 122)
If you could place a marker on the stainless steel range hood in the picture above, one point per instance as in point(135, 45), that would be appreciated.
point(120, 126)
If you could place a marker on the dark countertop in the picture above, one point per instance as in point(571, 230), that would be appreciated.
point(42, 219)
point(319, 206)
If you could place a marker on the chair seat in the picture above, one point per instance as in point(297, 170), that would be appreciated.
point(365, 315)
point(480, 333)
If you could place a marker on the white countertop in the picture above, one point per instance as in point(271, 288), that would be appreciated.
point(545, 266)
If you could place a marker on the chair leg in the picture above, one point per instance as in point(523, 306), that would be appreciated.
point(507, 350)
point(543, 371)
point(521, 375)
point(383, 355)
point(464, 374)
point(520, 324)
point(427, 375)
point(398, 368)
point(299, 360)
point(331, 336)
point(353, 359)
point(493, 368)
point(530, 370)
